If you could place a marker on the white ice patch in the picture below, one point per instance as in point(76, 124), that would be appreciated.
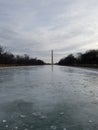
point(90, 121)
point(43, 117)
point(6, 126)
point(34, 114)
point(22, 116)
point(4, 121)
point(25, 129)
point(16, 127)
point(53, 127)
point(62, 113)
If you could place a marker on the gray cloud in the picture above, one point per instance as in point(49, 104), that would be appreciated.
point(36, 27)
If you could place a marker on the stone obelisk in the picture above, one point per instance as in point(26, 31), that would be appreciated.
point(51, 57)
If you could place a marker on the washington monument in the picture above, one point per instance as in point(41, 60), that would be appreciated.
point(51, 57)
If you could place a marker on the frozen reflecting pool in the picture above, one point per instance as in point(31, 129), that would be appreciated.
point(46, 98)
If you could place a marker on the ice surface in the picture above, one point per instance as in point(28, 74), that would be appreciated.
point(42, 99)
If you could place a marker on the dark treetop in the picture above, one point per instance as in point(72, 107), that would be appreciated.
point(7, 58)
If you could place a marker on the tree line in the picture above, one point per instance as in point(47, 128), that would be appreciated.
point(7, 58)
point(89, 58)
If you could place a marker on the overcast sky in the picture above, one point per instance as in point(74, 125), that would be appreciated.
point(35, 27)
